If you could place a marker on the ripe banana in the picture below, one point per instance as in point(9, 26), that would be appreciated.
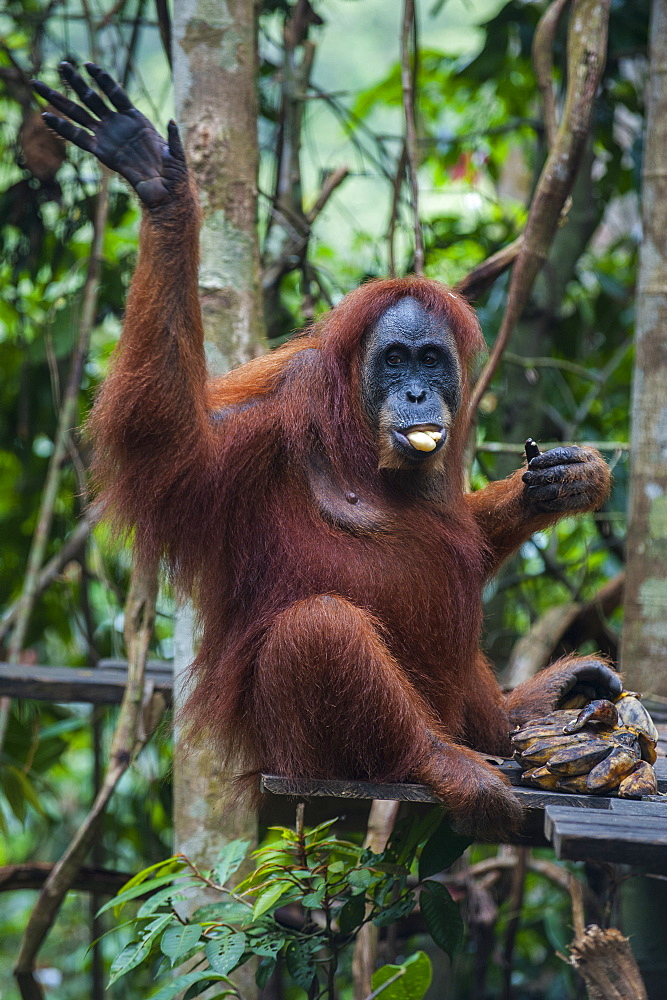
point(631, 712)
point(595, 748)
point(579, 759)
point(641, 781)
point(600, 710)
point(610, 771)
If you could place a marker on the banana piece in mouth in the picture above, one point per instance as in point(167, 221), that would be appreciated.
point(424, 440)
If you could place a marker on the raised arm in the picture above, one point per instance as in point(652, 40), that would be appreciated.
point(556, 483)
point(149, 423)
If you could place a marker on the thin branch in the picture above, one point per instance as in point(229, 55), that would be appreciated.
point(408, 75)
point(352, 125)
point(216, 886)
point(477, 281)
point(286, 244)
point(397, 184)
point(54, 567)
point(164, 24)
point(67, 419)
point(587, 41)
point(133, 42)
point(515, 903)
point(577, 895)
point(392, 979)
point(541, 866)
point(89, 878)
point(295, 231)
point(381, 821)
point(331, 182)
point(115, 12)
point(295, 82)
point(593, 393)
point(543, 43)
point(563, 628)
point(562, 364)
point(125, 744)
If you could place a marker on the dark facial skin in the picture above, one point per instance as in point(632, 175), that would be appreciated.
point(411, 379)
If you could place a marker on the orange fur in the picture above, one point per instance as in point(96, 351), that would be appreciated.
point(340, 638)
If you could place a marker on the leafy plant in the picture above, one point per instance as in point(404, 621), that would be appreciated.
point(332, 886)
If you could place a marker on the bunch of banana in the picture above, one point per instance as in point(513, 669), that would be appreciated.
point(604, 748)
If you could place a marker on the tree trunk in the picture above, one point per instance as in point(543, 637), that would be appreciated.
point(644, 637)
point(215, 73)
point(536, 334)
point(645, 629)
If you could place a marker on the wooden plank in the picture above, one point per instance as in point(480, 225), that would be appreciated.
point(530, 798)
point(622, 816)
point(533, 798)
point(340, 789)
point(595, 826)
point(96, 685)
point(613, 836)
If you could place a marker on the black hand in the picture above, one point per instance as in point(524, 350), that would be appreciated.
point(565, 479)
point(124, 139)
point(603, 678)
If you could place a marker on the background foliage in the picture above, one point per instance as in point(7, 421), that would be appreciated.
point(481, 144)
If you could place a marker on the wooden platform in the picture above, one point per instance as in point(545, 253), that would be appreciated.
point(100, 685)
point(579, 827)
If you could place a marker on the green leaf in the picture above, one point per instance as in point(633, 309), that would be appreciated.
point(556, 929)
point(399, 909)
point(352, 913)
point(410, 980)
point(313, 900)
point(204, 986)
point(318, 832)
point(300, 962)
point(230, 859)
point(13, 789)
point(224, 952)
point(360, 879)
point(335, 846)
point(129, 958)
point(173, 864)
point(171, 989)
point(264, 970)
point(441, 850)
point(267, 945)
point(442, 917)
point(151, 930)
point(387, 868)
point(164, 896)
point(135, 953)
point(269, 898)
point(408, 834)
point(226, 911)
point(178, 939)
point(139, 890)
